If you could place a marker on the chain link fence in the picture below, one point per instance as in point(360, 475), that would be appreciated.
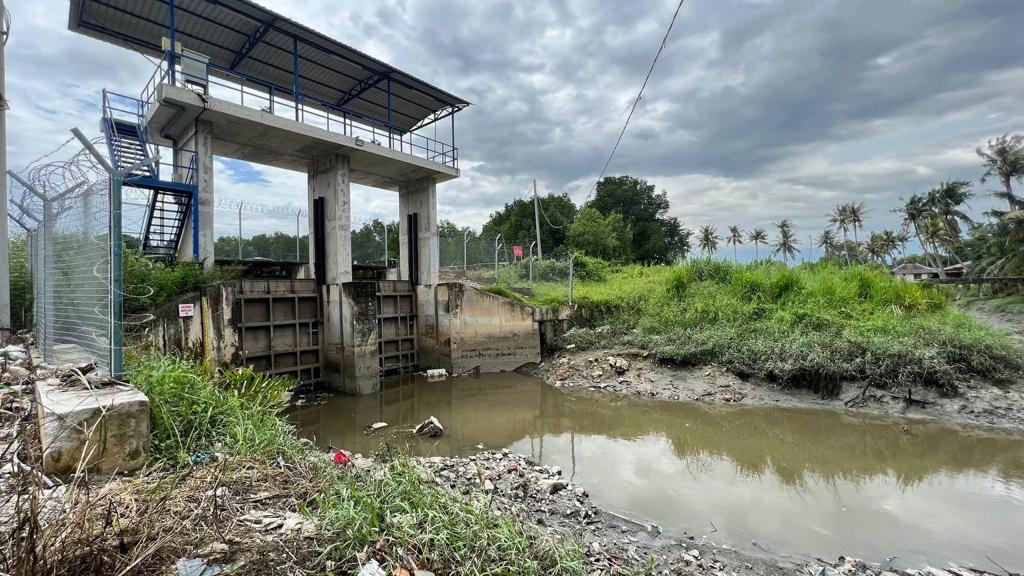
point(64, 207)
point(513, 265)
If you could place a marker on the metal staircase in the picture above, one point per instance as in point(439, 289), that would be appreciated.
point(170, 202)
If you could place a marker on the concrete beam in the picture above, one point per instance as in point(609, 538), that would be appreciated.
point(419, 197)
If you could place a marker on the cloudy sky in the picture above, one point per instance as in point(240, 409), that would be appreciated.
point(758, 110)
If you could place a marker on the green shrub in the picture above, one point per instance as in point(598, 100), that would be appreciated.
point(151, 283)
point(802, 325)
point(195, 412)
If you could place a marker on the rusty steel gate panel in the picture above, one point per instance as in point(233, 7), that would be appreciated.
point(279, 328)
point(396, 327)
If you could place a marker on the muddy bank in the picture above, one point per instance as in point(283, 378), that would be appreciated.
point(542, 496)
point(637, 373)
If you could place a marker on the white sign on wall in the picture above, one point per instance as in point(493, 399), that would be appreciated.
point(186, 310)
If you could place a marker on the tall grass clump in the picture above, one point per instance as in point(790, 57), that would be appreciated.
point(803, 325)
point(434, 526)
point(196, 412)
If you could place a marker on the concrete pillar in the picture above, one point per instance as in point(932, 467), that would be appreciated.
point(419, 197)
point(202, 143)
point(329, 179)
point(361, 372)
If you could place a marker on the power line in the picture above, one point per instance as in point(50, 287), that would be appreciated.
point(639, 94)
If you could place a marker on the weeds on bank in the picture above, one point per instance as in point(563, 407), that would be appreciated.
point(197, 413)
point(416, 522)
point(797, 325)
point(221, 448)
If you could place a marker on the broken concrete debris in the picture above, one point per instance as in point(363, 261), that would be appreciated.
point(430, 428)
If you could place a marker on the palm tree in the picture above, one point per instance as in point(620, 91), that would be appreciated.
point(916, 216)
point(707, 240)
point(785, 243)
point(1004, 160)
point(735, 238)
point(902, 239)
point(840, 218)
point(827, 241)
point(856, 211)
point(757, 237)
point(945, 201)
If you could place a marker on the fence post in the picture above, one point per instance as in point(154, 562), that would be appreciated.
point(240, 204)
point(572, 259)
point(496, 247)
point(116, 278)
point(465, 268)
point(298, 214)
point(530, 265)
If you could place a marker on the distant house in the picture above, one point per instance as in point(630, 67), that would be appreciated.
point(957, 270)
point(912, 272)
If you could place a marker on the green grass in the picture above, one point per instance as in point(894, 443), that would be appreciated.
point(446, 532)
point(1008, 303)
point(802, 325)
point(195, 413)
point(237, 413)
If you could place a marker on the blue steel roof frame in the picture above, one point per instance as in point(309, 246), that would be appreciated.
point(327, 68)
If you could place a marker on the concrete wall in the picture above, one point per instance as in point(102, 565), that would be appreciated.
point(174, 335)
point(476, 330)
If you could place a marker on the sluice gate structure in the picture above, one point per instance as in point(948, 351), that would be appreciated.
point(239, 81)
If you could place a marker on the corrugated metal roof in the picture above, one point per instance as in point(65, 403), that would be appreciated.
point(246, 38)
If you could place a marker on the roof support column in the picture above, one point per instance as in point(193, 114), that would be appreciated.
point(295, 76)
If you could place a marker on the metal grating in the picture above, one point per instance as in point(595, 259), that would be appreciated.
point(279, 328)
point(396, 327)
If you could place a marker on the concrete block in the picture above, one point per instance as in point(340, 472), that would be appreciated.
point(107, 427)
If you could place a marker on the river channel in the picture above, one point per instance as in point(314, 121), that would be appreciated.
point(798, 481)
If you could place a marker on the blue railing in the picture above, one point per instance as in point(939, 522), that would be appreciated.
point(122, 108)
point(244, 90)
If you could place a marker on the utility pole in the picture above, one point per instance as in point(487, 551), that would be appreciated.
point(536, 218)
point(465, 260)
point(5, 263)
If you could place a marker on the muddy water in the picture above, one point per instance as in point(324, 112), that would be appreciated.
point(807, 482)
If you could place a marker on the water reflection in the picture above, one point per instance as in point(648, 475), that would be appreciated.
point(811, 481)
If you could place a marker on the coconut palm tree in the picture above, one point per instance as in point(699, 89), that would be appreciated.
point(916, 216)
point(707, 240)
point(856, 211)
point(827, 241)
point(1003, 160)
point(785, 242)
point(757, 237)
point(902, 239)
point(735, 238)
point(840, 218)
point(945, 201)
